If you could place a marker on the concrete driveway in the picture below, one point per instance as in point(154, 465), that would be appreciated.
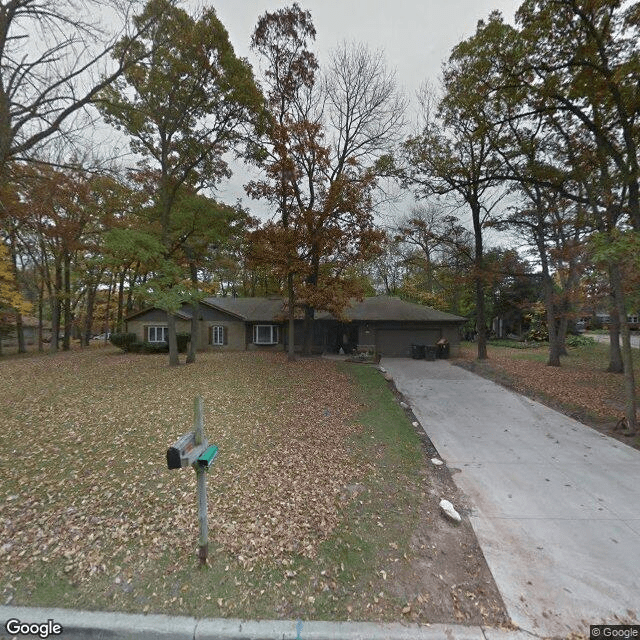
point(555, 504)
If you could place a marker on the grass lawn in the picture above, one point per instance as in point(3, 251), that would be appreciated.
point(321, 501)
point(580, 387)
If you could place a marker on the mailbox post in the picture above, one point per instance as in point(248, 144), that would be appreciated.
point(192, 449)
point(201, 474)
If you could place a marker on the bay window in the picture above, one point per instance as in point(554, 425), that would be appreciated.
point(265, 334)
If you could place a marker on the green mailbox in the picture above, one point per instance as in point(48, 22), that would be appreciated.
point(208, 456)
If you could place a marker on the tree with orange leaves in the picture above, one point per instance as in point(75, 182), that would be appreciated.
point(326, 141)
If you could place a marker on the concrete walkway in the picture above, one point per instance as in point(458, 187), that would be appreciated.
point(555, 504)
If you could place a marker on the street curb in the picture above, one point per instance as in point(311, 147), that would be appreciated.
point(97, 625)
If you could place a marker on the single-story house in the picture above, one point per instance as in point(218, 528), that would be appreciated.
point(385, 324)
point(601, 319)
point(29, 330)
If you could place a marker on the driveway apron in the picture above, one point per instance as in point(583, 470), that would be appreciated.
point(555, 505)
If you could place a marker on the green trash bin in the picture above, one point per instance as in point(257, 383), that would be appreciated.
point(431, 352)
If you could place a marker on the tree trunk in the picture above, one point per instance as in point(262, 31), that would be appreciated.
point(552, 325)
point(193, 343)
point(55, 309)
point(19, 323)
point(480, 319)
point(119, 316)
point(292, 312)
point(66, 339)
point(549, 302)
point(562, 335)
point(554, 345)
point(308, 330)
point(479, 283)
point(20, 333)
point(107, 313)
point(174, 360)
point(615, 355)
point(40, 317)
point(88, 322)
point(627, 358)
point(132, 281)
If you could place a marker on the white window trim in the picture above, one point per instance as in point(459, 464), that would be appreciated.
point(217, 331)
point(274, 333)
point(164, 330)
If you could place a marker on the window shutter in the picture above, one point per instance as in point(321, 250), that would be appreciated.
point(210, 335)
point(225, 336)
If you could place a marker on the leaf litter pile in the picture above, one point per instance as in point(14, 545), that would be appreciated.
point(91, 517)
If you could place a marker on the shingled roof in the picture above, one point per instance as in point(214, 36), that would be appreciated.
point(183, 314)
point(388, 308)
point(378, 308)
point(395, 309)
point(250, 309)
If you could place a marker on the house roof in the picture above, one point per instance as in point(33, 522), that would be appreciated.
point(9, 317)
point(378, 308)
point(184, 314)
point(394, 308)
point(250, 309)
point(370, 309)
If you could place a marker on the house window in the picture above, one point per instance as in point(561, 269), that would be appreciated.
point(157, 334)
point(217, 335)
point(632, 319)
point(265, 334)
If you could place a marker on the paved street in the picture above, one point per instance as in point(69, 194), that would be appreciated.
point(555, 504)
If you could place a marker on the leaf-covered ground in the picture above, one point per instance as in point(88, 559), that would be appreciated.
point(321, 502)
point(581, 386)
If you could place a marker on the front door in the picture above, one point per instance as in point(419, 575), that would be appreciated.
point(347, 337)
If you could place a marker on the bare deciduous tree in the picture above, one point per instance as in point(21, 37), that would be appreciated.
point(365, 110)
point(54, 60)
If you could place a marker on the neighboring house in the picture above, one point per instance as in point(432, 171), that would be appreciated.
point(385, 324)
point(602, 319)
point(29, 329)
point(513, 322)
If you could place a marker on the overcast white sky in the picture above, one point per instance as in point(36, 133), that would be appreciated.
point(415, 35)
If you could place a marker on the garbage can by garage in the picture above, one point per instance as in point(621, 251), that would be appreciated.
point(443, 348)
point(431, 352)
point(417, 351)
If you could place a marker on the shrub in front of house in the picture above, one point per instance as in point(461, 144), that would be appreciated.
point(155, 347)
point(123, 340)
point(579, 341)
point(163, 347)
point(183, 341)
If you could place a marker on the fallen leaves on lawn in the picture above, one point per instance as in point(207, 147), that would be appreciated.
point(577, 382)
point(82, 454)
